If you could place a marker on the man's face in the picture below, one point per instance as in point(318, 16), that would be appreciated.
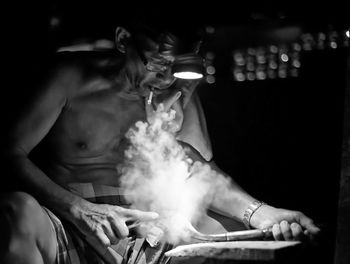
point(156, 68)
point(159, 55)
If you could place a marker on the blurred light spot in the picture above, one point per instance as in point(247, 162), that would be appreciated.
point(321, 36)
point(250, 66)
point(346, 43)
point(273, 65)
point(296, 47)
point(54, 22)
point(347, 33)
point(240, 77)
point(251, 76)
point(284, 57)
point(308, 41)
point(261, 59)
point(296, 63)
point(251, 51)
point(260, 75)
point(333, 39)
point(210, 79)
point(282, 73)
point(209, 29)
point(273, 49)
point(260, 56)
point(239, 59)
point(333, 44)
point(210, 55)
point(211, 70)
point(271, 74)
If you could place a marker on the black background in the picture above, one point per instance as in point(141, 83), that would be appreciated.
point(279, 139)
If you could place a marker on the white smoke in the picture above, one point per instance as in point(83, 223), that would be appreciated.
point(159, 176)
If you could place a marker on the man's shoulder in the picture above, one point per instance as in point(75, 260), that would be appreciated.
point(82, 57)
point(79, 72)
point(64, 63)
point(70, 60)
point(87, 63)
point(63, 75)
point(72, 65)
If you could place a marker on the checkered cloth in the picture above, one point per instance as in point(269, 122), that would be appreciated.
point(72, 248)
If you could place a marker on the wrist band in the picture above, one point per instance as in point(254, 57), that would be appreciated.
point(255, 205)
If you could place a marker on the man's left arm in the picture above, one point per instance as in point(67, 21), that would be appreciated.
point(233, 201)
point(286, 224)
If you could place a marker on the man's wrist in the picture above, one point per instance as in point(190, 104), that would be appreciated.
point(69, 207)
point(249, 211)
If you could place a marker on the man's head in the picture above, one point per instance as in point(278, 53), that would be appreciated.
point(174, 38)
point(160, 47)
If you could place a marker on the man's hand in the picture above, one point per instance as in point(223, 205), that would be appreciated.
point(164, 103)
point(286, 224)
point(106, 223)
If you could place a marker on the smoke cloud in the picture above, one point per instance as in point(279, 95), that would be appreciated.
point(159, 176)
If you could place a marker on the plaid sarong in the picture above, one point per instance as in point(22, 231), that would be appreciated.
point(72, 248)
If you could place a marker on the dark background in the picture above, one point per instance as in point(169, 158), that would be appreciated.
point(279, 139)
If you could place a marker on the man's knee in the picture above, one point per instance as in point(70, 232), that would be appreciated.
point(24, 222)
point(21, 211)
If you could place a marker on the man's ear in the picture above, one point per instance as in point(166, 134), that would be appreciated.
point(121, 35)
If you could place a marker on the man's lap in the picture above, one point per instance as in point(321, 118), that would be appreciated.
point(73, 248)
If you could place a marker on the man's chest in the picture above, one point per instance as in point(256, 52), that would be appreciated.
point(97, 122)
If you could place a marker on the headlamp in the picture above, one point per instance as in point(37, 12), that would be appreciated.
point(188, 66)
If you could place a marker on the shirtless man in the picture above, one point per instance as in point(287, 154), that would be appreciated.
point(85, 106)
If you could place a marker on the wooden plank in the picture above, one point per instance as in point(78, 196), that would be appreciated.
point(235, 250)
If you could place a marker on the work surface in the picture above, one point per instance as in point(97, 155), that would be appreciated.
point(264, 251)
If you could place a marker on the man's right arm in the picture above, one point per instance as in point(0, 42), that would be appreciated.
point(32, 126)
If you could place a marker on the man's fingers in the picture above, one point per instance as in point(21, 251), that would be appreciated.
point(285, 229)
point(108, 231)
point(164, 103)
point(176, 124)
point(276, 232)
point(149, 108)
point(119, 227)
point(308, 224)
point(297, 231)
point(187, 90)
point(134, 214)
point(167, 103)
point(102, 238)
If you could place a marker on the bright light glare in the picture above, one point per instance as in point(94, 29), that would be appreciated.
point(284, 57)
point(347, 33)
point(188, 75)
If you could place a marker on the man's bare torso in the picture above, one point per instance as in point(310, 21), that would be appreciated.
point(87, 141)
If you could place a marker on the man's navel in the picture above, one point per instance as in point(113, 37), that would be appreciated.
point(81, 145)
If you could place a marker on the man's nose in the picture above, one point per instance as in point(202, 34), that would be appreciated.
point(166, 76)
